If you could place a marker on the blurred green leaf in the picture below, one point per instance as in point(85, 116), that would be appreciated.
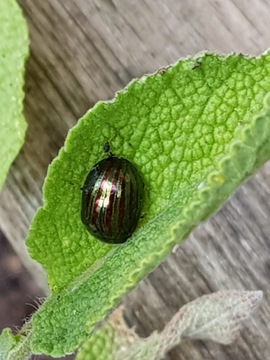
point(13, 52)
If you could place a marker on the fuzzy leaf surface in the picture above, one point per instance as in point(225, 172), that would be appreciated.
point(14, 347)
point(194, 131)
point(218, 317)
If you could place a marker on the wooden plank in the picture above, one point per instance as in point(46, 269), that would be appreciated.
point(83, 51)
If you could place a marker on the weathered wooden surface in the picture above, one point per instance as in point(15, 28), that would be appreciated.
point(83, 51)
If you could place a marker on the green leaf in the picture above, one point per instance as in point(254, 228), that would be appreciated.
point(13, 52)
point(195, 131)
point(218, 317)
point(111, 341)
point(13, 347)
point(7, 342)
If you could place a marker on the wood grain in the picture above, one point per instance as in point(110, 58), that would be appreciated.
point(83, 51)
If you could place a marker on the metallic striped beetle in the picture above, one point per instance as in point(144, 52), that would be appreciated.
point(112, 198)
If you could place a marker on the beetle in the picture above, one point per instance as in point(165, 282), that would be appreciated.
point(112, 199)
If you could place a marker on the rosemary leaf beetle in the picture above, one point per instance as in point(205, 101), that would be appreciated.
point(112, 198)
